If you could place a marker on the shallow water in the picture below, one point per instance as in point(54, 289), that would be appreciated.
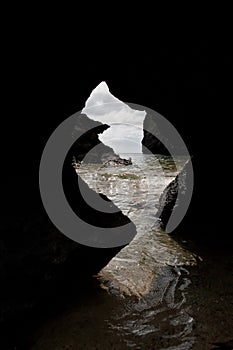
point(135, 188)
point(162, 295)
point(191, 308)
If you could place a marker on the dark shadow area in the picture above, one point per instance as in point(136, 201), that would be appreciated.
point(41, 269)
point(199, 225)
point(189, 82)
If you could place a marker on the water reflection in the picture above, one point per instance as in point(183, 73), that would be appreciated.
point(136, 190)
point(159, 318)
point(152, 266)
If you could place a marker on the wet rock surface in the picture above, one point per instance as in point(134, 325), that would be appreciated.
point(135, 268)
point(169, 201)
point(198, 225)
point(187, 309)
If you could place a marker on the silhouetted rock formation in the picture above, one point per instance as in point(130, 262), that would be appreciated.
point(155, 140)
point(37, 261)
point(150, 142)
point(87, 147)
point(199, 225)
point(168, 202)
point(189, 82)
point(118, 161)
point(84, 148)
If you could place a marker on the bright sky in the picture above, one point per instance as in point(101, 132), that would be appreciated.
point(126, 124)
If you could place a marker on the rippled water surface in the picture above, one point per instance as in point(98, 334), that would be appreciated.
point(135, 188)
point(162, 296)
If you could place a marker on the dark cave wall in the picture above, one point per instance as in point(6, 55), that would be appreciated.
point(188, 82)
point(86, 132)
point(36, 260)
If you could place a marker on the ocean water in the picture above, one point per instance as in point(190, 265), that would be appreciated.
point(156, 293)
point(135, 188)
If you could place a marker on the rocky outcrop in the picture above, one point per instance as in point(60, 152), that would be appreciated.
point(203, 223)
point(155, 140)
point(84, 150)
point(169, 200)
point(40, 269)
point(151, 143)
point(136, 269)
point(87, 148)
point(118, 161)
point(37, 262)
point(86, 134)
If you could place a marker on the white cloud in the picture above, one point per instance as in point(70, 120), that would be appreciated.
point(126, 124)
point(123, 138)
